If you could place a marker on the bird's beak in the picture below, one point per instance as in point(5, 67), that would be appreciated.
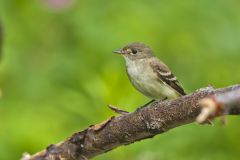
point(118, 51)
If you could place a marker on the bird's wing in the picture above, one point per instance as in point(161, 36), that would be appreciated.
point(166, 76)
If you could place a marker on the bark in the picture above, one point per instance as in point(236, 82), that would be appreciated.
point(219, 105)
point(156, 118)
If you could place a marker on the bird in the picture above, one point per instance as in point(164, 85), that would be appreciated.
point(148, 74)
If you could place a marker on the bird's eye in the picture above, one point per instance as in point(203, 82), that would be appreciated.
point(134, 51)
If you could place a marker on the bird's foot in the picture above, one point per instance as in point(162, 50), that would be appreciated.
point(145, 105)
point(152, 101)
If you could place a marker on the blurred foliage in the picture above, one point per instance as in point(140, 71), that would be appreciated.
point(57, 73)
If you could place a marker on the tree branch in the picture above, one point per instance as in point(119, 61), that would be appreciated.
point(219, 105)
point(156, 118)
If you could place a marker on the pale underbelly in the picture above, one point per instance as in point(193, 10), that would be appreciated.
point(153, 88)
point(147, 82)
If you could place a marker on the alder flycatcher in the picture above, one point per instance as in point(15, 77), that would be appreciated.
point(149, 74)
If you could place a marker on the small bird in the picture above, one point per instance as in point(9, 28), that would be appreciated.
point(148, 74)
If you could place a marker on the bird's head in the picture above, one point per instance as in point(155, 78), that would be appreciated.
point(135, 50)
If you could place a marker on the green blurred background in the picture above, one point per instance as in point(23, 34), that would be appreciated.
point(57, 72)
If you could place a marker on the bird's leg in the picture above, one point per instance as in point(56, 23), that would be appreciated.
point(145, 105)
point(153, 100)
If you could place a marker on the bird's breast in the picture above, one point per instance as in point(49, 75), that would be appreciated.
point(146, 80)
point(139, 70)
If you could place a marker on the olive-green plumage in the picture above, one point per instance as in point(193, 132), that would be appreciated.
point(149, 74)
